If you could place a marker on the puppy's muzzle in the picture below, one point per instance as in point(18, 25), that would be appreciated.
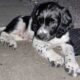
point(42, 36)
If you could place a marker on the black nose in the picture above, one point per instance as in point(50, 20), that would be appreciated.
point(41, 36)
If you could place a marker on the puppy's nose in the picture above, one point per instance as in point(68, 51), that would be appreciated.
point(41, 36)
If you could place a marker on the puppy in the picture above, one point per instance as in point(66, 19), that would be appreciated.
point(51, 24)
point(18, 29)
point(48, 26)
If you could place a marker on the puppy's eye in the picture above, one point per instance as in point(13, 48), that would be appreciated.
point(53, 28)
point(52, 20)
point(49, 20)
point(41, 20)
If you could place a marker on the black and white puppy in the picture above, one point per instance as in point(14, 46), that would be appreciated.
point(18, 29)
point(47, 27)
point(51, 24)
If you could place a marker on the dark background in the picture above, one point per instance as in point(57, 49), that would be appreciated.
point(12, 8)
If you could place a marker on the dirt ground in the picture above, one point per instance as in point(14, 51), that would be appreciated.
point(25, 64)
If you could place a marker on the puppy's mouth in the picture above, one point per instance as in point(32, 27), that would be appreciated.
point(45, 37)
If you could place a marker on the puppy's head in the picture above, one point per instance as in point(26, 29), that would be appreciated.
point(50, 20)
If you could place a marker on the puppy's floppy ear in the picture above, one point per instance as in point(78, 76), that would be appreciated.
point(34, 18)
point(33, 14)
point(65, 24)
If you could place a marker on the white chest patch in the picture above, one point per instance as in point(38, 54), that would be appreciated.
point(63, 39)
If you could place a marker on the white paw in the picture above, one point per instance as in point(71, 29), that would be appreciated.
point(7, 39)
point(58, 61)
point(13, 44)
point(72, 68)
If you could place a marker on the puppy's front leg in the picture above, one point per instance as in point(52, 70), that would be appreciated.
point(7, 38)
point(54, 58)
point(71, 66)
point(44, 49)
